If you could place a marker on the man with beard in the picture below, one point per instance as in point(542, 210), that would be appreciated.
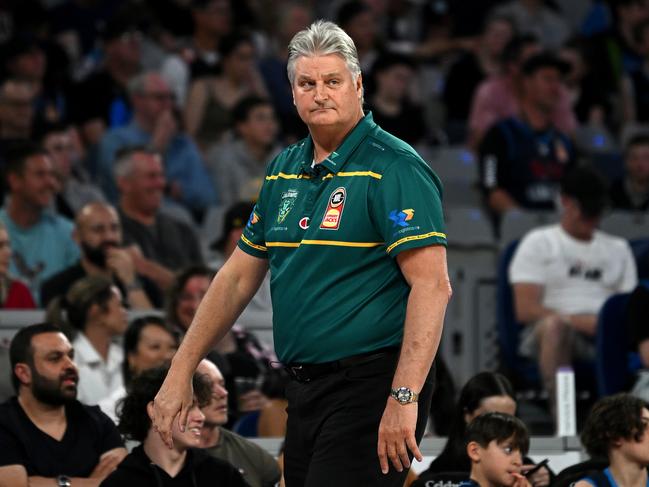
point(44, 429)
point(98, 233)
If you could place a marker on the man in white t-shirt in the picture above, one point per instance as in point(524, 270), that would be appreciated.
point(562, 274)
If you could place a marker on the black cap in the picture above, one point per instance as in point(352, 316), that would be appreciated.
point(588, 188)
point(236, 216)
point(544, 60)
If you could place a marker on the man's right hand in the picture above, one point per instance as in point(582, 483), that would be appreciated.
point(172, 403)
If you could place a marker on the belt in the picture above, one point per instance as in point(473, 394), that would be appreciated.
point(309, 372)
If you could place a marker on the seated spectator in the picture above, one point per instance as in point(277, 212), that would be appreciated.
point(148, 343)
point(258, 467)
point(211, 99)
point(259, 312)
point(634, 83)
point(93, 311)
point(471, 68)
point(632, 192)
point(155, 125)
point(522, 158)
point(535, 17)
point(245, 359)
point(562, 274)
point(591, 103)
point(483, 393)
point(73, 192)
point(616, 429)
point(291, 19)
point(238, 165)
point(98, 233)
point(358, 19)
point(390, 104)
point(163, 244)
point(496, 444)
point(497, 97)
point(16, 110)
point(212, 20)
point(100, 102)
point(13, 293)
point(41, 241)
point(153, 463)
point(58, 440)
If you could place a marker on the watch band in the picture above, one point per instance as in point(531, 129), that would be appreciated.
point(63, 481)
point(404, 395)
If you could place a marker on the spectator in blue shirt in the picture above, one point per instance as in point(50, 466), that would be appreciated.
point(155, 125)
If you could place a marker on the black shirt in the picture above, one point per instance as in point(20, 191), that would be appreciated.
point(89, 434)
point(526, 163)
point(100, 97)
point(621, 200)
point(199, 470)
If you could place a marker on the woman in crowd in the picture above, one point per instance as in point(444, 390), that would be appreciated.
point(484, 392)
point(211, 99)
point(616, 429)
point(153, 463)
point(245, 362)
point(93, 312)
point(13, 293)
point(148, 343)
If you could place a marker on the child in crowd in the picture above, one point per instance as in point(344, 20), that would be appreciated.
point(496, 444)
point(616, 428)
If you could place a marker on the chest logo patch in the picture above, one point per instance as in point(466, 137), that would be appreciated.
point(334, 212)
point(304, 222)
point(286, 204)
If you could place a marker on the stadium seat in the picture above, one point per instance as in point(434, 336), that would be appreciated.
point(468, 227)
point(626, 224)
point(247, 425)
point(516, 223)
point(612, 363)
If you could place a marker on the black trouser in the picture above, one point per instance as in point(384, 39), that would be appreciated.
point(333, 424)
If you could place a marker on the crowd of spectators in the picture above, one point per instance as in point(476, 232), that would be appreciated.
point(125, 124)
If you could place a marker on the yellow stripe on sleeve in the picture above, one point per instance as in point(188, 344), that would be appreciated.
point(253, 245)
point(414, 237)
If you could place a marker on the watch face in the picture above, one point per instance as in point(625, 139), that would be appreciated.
point(404, 395)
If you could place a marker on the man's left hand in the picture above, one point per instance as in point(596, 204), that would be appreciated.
point(397, 436)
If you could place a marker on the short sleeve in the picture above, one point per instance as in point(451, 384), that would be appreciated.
point(528, 264)
point(493, 160)
point(109, 435)
point(11, 449)
point(407, 207)
point(253, 238)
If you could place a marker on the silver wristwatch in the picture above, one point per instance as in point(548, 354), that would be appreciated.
point(404, 395)
point(63, 481)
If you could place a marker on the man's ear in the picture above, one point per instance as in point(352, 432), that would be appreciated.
point(149, 410)
point(23, 372)
point(474, 450)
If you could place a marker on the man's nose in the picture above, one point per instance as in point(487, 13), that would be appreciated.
point(320, 92)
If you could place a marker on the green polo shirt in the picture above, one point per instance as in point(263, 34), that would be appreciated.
point(331, 233)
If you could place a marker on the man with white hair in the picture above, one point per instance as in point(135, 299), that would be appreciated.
point(349, 221)
point(155, 125)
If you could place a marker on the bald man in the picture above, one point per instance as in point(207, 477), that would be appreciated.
point(98, 233)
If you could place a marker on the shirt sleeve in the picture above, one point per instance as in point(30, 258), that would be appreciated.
point(407, 207)
point(629, 273)
point(528, 264)
point(11, 449)
point(493, 160)
point(253, 238)
point(109, 435)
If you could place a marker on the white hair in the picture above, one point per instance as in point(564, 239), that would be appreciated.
point(322, 38)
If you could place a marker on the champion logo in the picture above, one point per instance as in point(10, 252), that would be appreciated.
point(304, 222)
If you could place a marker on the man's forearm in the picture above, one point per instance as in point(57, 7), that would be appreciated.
point(227, 296)
point(422, 332)
point(74, 482)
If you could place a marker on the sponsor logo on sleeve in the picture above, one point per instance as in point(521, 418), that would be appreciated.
point(334, 212)
point(401, 218)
